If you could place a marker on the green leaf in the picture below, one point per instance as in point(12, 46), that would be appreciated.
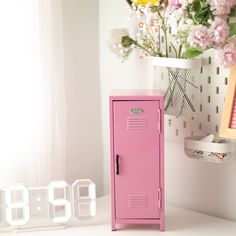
point(196, 6)
point(199, 11)
point(232, 29)
point(127, 41)
point(193, 52)
point(232, 12)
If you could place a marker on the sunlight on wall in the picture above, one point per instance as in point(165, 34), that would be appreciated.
point(19, 85)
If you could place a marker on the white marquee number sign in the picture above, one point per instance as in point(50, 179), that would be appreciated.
point(63, 201)
point(17, 205)
point(60, 203)
point(84, 196)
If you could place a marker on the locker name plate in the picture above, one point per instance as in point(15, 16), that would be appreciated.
point(136, 110)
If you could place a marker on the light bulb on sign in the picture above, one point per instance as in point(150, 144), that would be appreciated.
point(60, 203)
point(84, 198)
point(17, 210)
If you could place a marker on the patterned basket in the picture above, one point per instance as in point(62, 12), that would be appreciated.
point(218, 151)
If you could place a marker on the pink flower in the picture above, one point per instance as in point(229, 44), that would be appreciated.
point(174, 5)
point(221, 7)
point(219, 31)
point(200, 36)
point(227, 55)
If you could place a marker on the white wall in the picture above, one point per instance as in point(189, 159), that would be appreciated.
point(200, 186)
point(131, 74)
point(83, 140)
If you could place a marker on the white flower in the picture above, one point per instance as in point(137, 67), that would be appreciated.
point(147, 11)
point(179, 14)
point(189, 22)
point(185, 25)
point(115, 37)
point(190, 1)
point(155, 15)
point(185, 3)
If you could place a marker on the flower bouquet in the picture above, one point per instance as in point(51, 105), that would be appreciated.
point(174, 34)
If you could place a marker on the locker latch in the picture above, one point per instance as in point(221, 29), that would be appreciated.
point(159, 198)
point(159, 121)
point(117, 164)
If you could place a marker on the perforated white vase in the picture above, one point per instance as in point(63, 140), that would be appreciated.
point(177, 78)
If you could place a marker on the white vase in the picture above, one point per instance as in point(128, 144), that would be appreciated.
point(176, 77)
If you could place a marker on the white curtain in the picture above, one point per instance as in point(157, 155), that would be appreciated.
point(32, 100)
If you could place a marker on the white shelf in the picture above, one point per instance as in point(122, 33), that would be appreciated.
point(179, 222)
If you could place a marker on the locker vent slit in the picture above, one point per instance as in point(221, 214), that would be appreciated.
point(136, 123)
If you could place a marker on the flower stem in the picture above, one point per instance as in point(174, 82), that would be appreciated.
point(180, 51)
point(172, 45)
point(166, 43)
point(146, 50)
point(164, 30)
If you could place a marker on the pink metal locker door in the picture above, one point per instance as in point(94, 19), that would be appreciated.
point(136, 153)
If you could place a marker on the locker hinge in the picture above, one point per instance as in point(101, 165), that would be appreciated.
point(159, 199)
point(159, 121)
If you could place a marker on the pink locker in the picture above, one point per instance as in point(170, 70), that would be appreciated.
point(137, 157)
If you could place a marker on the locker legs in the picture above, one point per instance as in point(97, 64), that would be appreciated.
point(113, 226)
point(162, 226)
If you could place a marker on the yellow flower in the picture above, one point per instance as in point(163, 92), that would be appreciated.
point(144, 2)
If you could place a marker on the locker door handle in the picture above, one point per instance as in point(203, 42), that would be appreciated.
point(117, 165)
